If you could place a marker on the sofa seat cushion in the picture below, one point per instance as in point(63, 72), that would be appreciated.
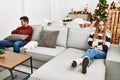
point(9, 49)
point(59, 68)
point(45, 53)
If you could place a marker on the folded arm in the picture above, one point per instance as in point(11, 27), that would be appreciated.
point(26, 31)
point(100, 45)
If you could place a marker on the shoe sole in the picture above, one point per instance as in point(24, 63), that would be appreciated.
point(84, 65)
point(74, 64)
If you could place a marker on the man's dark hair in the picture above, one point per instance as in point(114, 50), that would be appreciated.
point(24, 18)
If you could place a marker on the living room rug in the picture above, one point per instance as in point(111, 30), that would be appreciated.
point(18, 76)
point(5, 75)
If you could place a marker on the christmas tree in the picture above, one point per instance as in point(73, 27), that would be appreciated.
point(101, 11)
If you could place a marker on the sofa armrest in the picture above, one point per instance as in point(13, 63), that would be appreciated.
point(114, 53)
point(113, 63)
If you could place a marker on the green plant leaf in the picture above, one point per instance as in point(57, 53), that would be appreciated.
point(2, 51)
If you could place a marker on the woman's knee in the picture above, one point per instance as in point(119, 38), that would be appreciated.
point(90, 50)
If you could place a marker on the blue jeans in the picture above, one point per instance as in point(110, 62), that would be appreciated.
point(15, 44)
point(94, 54)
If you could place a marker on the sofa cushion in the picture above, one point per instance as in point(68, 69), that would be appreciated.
point(62, 37)
point(16, 37)
point(9, 49)
point(59, 68)
point(36, 32)
point(45, 53)
point(78, 38)
point(48, 38)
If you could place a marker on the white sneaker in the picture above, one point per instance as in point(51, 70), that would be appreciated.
point(77, 62)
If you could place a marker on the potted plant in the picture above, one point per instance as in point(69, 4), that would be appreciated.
point(2, 52)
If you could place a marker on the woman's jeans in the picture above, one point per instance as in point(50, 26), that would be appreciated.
point(94, 54)
point(15, 44)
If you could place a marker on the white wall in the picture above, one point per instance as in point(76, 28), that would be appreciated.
point(37, 10)
point(57, 9)
point(11, 11)
point(9, 16)
point(62, 7)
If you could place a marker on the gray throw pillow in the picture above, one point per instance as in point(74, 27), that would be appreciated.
point(16, 37)
point(48, 38)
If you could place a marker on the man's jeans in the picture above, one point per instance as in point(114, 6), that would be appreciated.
point(94, 54)
point(15, 44)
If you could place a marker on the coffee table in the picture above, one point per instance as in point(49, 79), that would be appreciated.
point(12, 60)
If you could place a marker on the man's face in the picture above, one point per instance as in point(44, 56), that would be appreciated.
point(23, 23)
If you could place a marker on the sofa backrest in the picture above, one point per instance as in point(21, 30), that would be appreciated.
point(68, 37)
point(78, 38)
point(36, 32)
point(62, 37)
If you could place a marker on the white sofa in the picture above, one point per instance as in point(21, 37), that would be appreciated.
point(71, 44)
point(46, 54)
point(59, 68)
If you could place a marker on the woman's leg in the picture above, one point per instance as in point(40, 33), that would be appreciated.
point(100, 55)
point(94, 53)
point(90, 54)
point(88, 59)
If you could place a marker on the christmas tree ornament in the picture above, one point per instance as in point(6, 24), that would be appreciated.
point(85, 9)
point(97, 8)
point(102, 10)
point(117, 5)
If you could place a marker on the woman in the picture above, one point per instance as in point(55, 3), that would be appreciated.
point(99, 42)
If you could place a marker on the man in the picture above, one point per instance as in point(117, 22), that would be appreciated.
point(25, 29)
